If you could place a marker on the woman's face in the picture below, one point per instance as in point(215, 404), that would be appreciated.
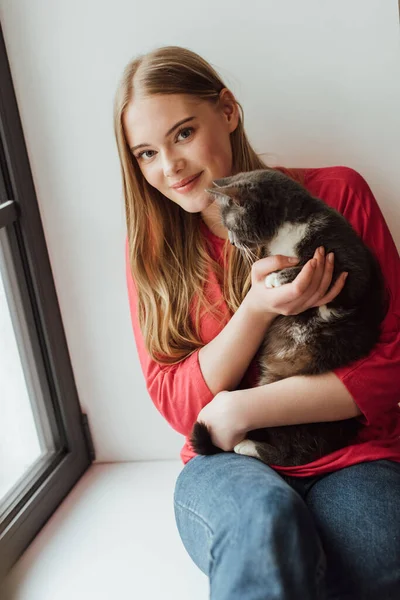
point(177, 137)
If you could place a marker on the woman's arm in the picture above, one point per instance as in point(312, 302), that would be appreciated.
point(299, 399)
point(291, 401)
point(181, 391)
point(224, 359)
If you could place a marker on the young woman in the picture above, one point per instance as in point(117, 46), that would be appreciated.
point(328, 529)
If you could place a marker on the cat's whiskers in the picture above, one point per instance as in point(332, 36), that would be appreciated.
point(216, 223)
point(252, 254)
point(248, 254)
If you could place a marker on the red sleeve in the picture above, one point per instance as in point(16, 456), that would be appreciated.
point(373, 381)
point(178, 391)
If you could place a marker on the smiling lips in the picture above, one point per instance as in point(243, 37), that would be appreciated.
point(184, 182)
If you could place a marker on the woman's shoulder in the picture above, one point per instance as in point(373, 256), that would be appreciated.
point(328, 178)
point(343, 175)
point(339, 186)
point(336, 185)
point(335, 180)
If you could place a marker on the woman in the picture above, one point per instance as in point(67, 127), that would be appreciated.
point(325, 529)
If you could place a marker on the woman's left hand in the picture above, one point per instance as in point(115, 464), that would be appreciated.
point(223, 418)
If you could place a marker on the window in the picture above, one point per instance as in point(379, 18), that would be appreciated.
point(45, 444)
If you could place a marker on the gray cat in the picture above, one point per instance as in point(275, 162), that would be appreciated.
point(268, 210)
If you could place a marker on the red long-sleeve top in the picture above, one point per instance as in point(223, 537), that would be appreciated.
point(179, 391)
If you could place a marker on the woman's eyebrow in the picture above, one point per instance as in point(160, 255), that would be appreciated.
point(167, 134)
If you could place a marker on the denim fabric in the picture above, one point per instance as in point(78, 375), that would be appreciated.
point(258, 535)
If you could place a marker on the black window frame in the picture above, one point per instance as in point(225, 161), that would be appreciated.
point(52, 478)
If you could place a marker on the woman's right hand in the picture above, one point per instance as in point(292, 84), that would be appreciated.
point(307, 290)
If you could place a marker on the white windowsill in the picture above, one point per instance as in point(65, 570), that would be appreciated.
point(114, 536)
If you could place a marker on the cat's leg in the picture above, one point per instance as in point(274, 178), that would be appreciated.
point(279, 278)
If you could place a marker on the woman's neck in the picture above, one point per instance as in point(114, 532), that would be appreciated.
point(212, 218)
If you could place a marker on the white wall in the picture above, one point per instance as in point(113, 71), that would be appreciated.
point(319, 83)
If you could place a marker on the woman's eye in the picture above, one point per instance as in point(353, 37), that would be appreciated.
point(186, 132)
point(142, 154)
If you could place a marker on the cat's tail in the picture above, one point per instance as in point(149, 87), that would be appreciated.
point(200, 440)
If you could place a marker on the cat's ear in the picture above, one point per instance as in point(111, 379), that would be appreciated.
point(230, 191)
point(223, 182)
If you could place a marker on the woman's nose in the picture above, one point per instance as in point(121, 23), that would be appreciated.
point(172, 164)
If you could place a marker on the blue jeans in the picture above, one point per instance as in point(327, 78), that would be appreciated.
point(259, 535)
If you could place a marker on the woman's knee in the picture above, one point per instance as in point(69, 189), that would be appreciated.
point(260, 511)
point(239, 490)
point(278, 519)
point(277, 508)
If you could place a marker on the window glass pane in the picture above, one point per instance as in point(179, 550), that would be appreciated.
point(25, 434)
point(19, 441)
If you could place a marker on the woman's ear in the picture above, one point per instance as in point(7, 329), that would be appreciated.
point(230, 108)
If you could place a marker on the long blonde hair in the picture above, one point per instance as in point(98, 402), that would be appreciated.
point(168, 257)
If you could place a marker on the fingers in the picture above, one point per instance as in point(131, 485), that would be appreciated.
point(291, 294)
point(310, 286)
point(268, 265)
point(335, 291)
point(325, 280)
point(314, 289)
point(312, 269)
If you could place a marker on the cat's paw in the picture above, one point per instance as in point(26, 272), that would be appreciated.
point(279, 278)
point(273, 280)
point(247, 448)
